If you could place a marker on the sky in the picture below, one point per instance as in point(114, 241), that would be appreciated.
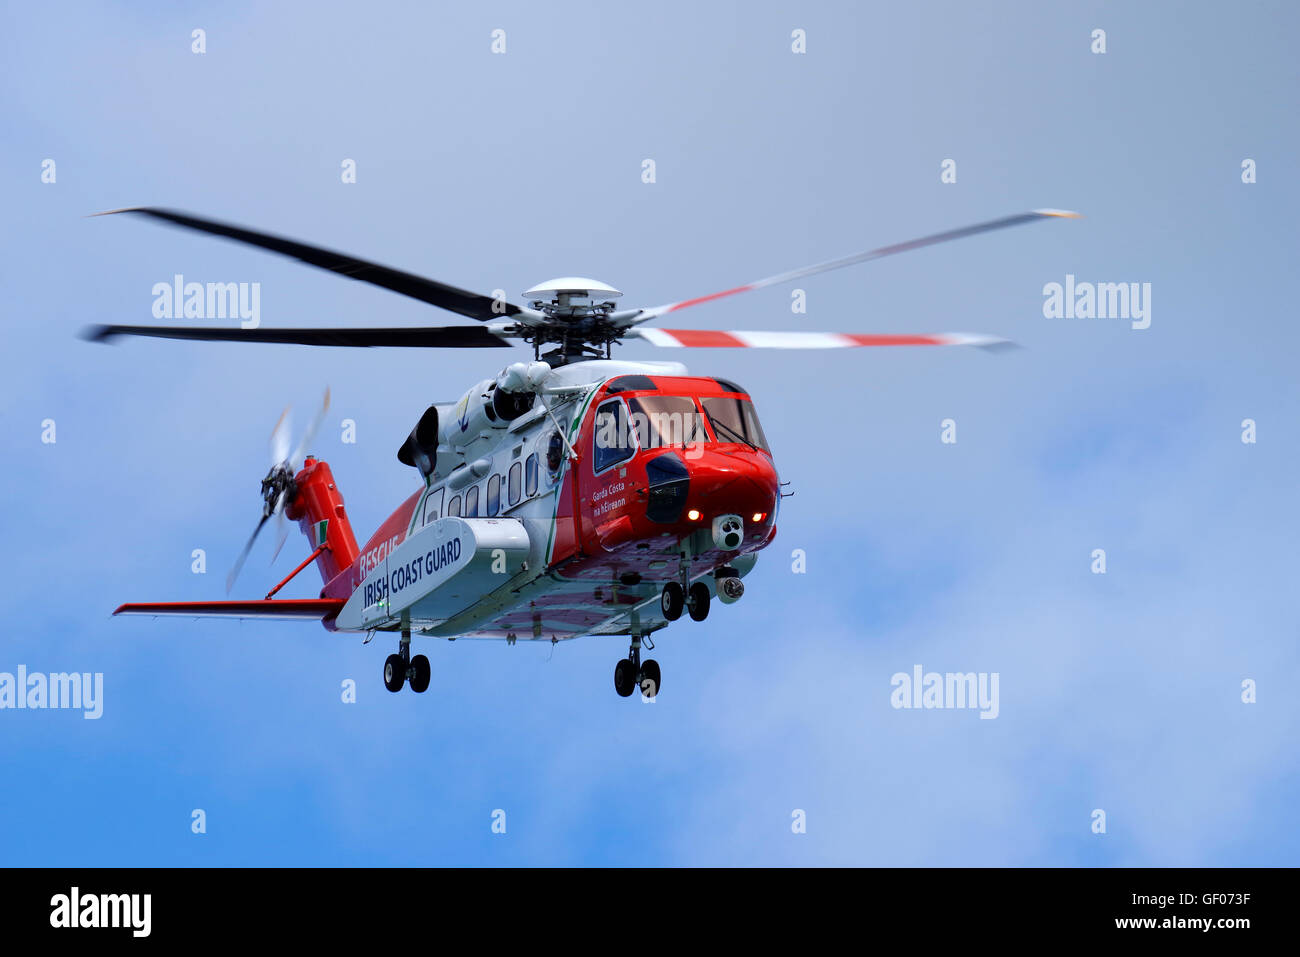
point(775, 740)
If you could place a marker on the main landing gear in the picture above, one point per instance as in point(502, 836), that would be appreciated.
point(401, 667)
point(631, 673)
point(674, 599)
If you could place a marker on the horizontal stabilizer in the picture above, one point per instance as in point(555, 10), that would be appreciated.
point(285, 609)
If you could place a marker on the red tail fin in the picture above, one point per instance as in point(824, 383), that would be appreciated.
point(317, 507)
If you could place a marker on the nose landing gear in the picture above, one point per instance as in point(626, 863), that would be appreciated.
point(697, 601)
point(674, 600)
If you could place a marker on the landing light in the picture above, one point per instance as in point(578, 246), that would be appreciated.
point(758, 516)
point(693, 515)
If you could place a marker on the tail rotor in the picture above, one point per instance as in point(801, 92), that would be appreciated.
point(278, 487)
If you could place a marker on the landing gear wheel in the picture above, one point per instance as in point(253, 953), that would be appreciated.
point(698, 601)
point(648, 680)
point(420, 672)
point(672, 601)
point(624, 677)
point(394, 673)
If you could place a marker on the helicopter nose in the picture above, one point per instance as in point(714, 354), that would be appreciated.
point(732, 494)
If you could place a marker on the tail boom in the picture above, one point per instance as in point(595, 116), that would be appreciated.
point(317, 507)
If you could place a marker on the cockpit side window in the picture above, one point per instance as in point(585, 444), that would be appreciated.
point(614, 440)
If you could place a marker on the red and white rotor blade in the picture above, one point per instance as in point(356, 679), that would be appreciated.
point(756, 339)
point(635, 318)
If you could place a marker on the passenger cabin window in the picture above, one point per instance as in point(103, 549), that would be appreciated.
point(471, 502)
point(515, 481)
point(613, 441)
point(530, 475)
point(667, 421)
point(734, 420)
point(433, 506)
point(494, 495)
point(453, 507)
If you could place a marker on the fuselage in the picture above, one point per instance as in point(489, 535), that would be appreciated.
point(568, 519)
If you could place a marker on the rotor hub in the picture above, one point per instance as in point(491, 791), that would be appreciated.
point(573, 298)
point(278, 482)
point(576, 321)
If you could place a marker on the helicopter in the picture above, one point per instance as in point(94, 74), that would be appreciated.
point(572, 495)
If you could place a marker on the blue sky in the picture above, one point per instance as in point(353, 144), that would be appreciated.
point(1120, 692)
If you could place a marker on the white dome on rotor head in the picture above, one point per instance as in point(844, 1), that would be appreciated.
point(592, 289)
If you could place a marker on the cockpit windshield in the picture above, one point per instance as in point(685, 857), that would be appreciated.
point(667, 421)
point(734, 420)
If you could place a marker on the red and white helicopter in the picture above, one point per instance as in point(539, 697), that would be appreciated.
point(572, 495)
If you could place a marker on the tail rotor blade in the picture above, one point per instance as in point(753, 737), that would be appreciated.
point(313, 427)
point(280, 438)
point(243, 556)
point(281, 529)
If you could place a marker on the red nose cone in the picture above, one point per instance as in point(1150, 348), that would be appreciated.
point(741, 482)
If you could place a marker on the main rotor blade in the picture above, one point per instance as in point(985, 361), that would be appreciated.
point(635, 317)
point(461, 301)
point(740, 339)
point(243, 556)
point(449, 337)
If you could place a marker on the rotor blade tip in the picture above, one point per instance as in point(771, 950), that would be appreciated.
point(97, 333)
point(1000, 345)
point(979, 341)
point(1059, 213)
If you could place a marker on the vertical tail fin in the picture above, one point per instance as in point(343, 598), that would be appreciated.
point(317, 507)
